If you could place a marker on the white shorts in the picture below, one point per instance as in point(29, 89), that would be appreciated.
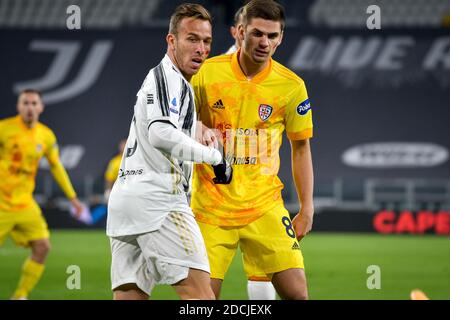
point(163, 256)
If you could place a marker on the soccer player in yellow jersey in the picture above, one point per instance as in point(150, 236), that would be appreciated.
point(251, 99)
point(113, 169)
point(259, 286)
point(23, 142)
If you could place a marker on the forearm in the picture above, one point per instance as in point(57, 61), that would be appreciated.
point(62, 178)
point(170, 140)
point(302, 172)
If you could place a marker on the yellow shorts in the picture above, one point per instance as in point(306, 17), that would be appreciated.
point(268, 245)
point(24, 226)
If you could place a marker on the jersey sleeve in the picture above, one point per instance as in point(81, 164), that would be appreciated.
point(51, 149)
point(56, 167)
point(197, 86)
point(112, 169)
point(298, 117)
point(160, 99)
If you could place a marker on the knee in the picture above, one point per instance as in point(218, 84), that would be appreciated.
point(207, 295)
point(197, 293)
point(298, 295)
point(41, 248)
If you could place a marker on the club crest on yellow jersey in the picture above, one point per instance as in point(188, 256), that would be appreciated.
point(264, 111)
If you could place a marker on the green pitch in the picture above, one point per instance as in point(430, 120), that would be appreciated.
point(336, 267)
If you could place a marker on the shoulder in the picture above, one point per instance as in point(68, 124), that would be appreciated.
point(46, 132)
point(163, 76)
point(286, 74)
point(8, 121)
point(210, 67)
point(213, 62)
point(5, 122)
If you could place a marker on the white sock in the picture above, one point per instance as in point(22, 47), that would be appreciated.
point(261, 290)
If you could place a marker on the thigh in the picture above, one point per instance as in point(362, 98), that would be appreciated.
point(128, 265)
point(269, 244)
point(221, 244)
point(30, 225)
point(7, 222)
point(174, 248)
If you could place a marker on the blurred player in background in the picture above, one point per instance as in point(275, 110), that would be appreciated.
point(154, 236)
point(23, 142)
point(113, 169)
point(233, 30)
point(259, 286)
point(249, 97)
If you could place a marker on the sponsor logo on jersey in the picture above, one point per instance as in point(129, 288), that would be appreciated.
point(295, 246)
point(132, 150)
point(240, 160)
point(218, 104)
point(264, 111)
point(304, 107)
point(173, 108)
point(131, 172)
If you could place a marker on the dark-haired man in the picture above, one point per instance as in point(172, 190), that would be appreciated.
point(251, 99)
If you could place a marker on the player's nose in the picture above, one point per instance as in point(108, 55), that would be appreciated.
point(264, 42)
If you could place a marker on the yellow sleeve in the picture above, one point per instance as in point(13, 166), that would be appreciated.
point(298, 118)
point(57, 169)
point(113, 169)
point(197, 82)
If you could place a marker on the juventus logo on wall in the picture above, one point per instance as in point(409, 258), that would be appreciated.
point(52, 82)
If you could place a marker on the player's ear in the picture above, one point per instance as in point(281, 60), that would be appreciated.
point(233, 30)
point(170, 38)
point(240, 32)
point(41, 107)
point(281, 38)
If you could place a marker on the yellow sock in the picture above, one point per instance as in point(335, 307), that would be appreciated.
point(31, 273)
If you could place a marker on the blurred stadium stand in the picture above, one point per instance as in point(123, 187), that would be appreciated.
point(365, 87)
point(395, 13)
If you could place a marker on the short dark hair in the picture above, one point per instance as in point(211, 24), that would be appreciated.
point(188, 10)
point(264, 9)
point(29, 90)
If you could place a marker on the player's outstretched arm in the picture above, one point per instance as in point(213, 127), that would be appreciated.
point(302, 172)
point(166, 138)
point(62, 178)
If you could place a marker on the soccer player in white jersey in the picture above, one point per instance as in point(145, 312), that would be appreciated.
point(259, 286)
point(153, 234)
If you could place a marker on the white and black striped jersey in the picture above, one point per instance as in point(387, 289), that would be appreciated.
point(152, 183)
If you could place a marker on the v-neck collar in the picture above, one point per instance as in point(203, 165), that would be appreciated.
point(236, 67)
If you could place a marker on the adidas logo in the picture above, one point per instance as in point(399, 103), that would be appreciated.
point(218, 104)
point(295, 246)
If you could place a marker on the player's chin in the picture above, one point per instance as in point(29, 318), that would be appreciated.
point(260, 58)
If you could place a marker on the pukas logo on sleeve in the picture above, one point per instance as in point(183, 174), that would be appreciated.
point(304, 107)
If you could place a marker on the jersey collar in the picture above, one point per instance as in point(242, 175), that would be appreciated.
point(166, 60)
point(23, 125)
point(259, 77)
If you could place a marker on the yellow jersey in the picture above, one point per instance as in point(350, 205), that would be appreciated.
point(251, 115)
point(113, 168)
point(21, 149)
